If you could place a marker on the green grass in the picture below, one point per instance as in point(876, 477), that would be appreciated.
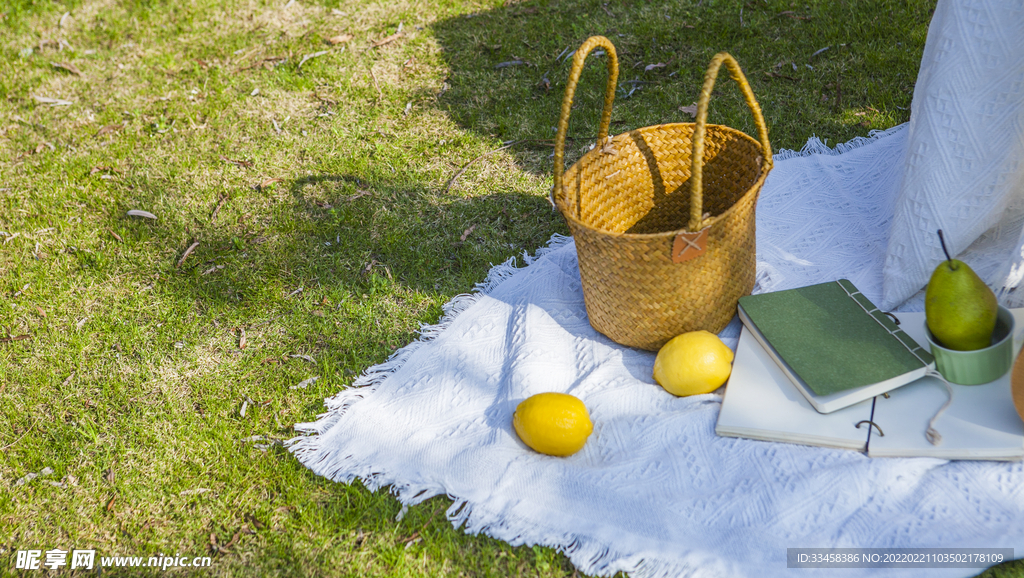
point(128, 377)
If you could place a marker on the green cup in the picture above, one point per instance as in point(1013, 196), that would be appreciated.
point(981, 365)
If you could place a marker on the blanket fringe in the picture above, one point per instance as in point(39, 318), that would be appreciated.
point(587, 555)
point(815, 146)
point(302, 446)
point(307, 447)
point(377, 374)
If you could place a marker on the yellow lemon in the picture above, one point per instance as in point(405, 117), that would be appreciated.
point(556, 424)
point(693, 363)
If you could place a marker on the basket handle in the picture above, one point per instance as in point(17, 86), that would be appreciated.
point(570, 90)
point(697, 158)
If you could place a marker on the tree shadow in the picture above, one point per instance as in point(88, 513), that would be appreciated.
point(809, 66)
point(344, 231)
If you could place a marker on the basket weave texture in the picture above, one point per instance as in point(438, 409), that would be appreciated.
point(662, 216)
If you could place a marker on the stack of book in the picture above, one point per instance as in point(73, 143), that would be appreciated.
point(821, 365)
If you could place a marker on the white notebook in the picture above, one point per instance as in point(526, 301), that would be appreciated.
point(762, 403)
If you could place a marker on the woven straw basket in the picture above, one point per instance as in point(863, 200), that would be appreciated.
point(662, 216)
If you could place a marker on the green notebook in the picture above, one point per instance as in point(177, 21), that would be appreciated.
point(833, 343)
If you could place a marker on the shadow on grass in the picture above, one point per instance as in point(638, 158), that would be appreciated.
point(812, 66)
point(353, 263)
point(348, 234)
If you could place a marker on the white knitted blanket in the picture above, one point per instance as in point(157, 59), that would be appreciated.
point(655, 492)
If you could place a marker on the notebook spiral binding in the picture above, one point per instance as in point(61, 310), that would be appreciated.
point(870, 423)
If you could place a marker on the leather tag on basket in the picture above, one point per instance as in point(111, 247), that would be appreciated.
point(689, 245)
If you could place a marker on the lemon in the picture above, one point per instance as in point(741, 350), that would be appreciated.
point(556, 424)
point(693, 363)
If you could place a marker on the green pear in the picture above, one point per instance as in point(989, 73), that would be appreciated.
point(960, 309)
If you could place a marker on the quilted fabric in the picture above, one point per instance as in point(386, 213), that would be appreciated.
point(964, 163)
point(655, 492)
